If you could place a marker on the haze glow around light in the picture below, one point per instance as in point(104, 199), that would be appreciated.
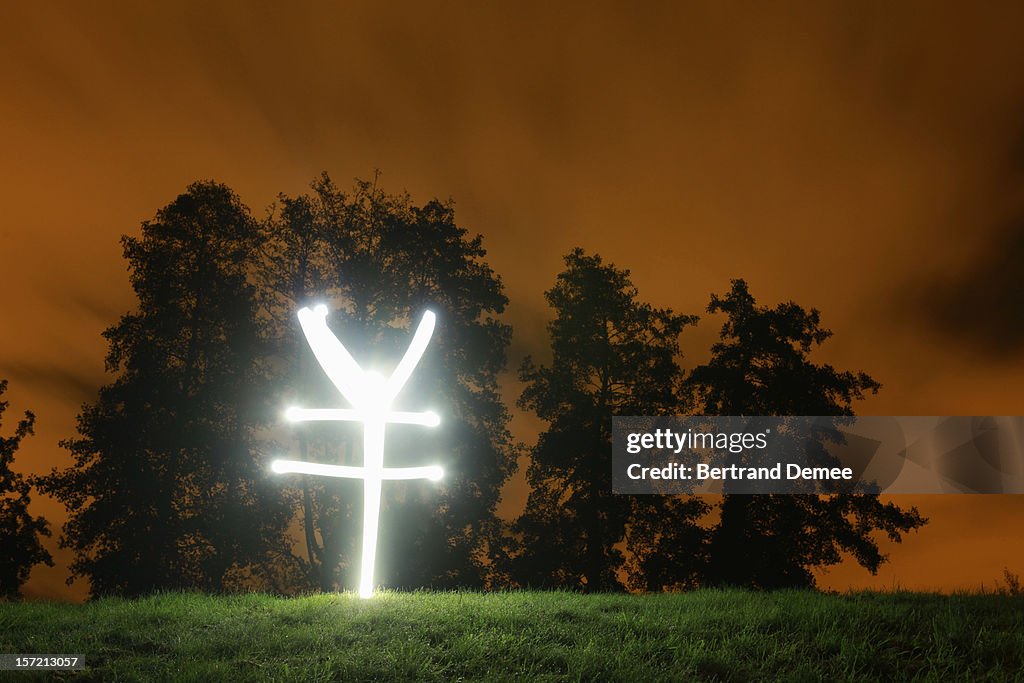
point(371, 396)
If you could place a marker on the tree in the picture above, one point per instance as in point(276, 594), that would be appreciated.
point(379, 260)
point(611, 354)
point(20, 544)
point(293, 272)
point(668, 546)
point(760, 366)
point(168, 488)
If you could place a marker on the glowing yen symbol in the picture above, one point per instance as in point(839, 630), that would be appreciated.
point(371, 396)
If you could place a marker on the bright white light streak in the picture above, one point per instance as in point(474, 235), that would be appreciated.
point(412, 356)
point(341, 368)
point(370, 396)
point(433, 472)
point(426, 419)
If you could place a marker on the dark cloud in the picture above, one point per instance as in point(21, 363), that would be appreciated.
point(68, 385)
point(101, 310)
point(981, 304)
point(104, 310)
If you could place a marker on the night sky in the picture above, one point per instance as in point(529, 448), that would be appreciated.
point(867, 160)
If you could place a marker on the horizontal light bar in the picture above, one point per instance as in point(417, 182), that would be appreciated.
point(432, 472)
point(428, 418)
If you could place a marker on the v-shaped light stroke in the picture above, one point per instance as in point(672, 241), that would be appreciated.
point(371, 396)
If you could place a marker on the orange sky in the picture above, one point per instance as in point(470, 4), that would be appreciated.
point(863, 159)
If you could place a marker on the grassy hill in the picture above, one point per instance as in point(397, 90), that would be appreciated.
point(535, 636)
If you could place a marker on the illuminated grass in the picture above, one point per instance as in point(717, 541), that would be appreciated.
point(535, 636)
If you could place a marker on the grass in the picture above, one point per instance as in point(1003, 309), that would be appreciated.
point(535, 636)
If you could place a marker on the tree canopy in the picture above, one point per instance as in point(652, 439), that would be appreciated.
point(168, 488)
point(761, 366)
point(611, 354)
point(21, 547)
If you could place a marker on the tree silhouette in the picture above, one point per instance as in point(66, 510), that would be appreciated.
point(668, 547)
point(294, 271)
point(760, 366)
point(20, 545)
point(168, 489)
point(611, 355)
point(379, 260)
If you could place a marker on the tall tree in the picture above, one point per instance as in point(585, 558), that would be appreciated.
point(168, 488)
point(379, 260)
point(761, 366)
point(20, 545)
point(293, 272)
point(611, 354)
